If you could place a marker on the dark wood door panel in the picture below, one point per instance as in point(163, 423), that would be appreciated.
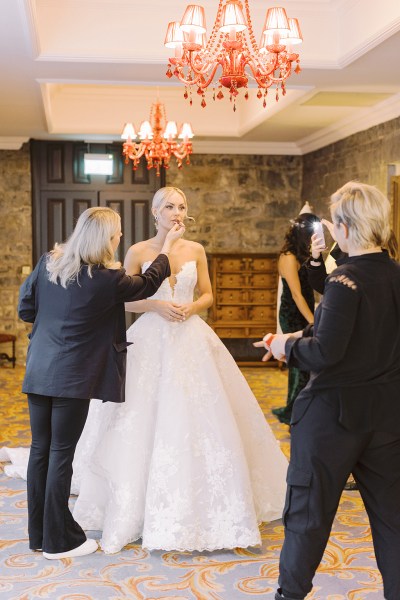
point(135, 210)
point(59, 213)
point(61, 191)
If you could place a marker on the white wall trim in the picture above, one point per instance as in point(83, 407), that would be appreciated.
point(238, 147)
point(12, 143)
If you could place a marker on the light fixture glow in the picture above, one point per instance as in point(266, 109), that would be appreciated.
point(232, 47)
point(157, 141)
point(98, 164)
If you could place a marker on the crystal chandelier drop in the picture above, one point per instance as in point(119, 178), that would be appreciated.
point(232, 46)
point(157, 141)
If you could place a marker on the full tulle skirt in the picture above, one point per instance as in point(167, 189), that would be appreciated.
point(188, 462)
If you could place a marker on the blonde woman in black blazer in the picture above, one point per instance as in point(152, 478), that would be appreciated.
point(75, 300)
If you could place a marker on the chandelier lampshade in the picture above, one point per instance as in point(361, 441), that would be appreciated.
point(232, 17)
point(174, 35)
point(194, 19)
point(295, 36)
point(232, 48)
point(276, 20)
point(158, 141)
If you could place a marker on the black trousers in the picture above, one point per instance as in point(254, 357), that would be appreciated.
point(56, 424)
point(323, 454)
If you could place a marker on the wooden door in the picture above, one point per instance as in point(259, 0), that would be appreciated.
point(135, 210)
point(59, 213)
point(61, 191)
point(395, 194)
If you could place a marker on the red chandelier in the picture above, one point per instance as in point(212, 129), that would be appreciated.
point(157, 141)
point(233, 47)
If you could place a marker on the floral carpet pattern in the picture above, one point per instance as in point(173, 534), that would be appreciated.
point(348, 570)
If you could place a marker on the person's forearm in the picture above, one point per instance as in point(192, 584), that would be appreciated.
point(203, 302)
point(140, 306)
point(303, 307)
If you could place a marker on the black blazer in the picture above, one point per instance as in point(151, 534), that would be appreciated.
point(353, 352)
point(78, 342)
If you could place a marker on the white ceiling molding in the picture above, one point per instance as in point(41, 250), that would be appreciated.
point(12, 143)
point(239, 147)
point(366, 118)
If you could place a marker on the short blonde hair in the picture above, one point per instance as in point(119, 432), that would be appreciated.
point(366, 213)
point(89, 243)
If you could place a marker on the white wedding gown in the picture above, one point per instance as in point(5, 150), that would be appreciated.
point(188, 462)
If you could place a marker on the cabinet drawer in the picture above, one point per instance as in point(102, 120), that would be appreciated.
point(262, 313)
point(259, 332)
point(262, 296)
point(230, 332)
point(230, 313)
point(263, 264)
point(267, 280)
point(230, 264)
point(233, 296)
point(230, 280)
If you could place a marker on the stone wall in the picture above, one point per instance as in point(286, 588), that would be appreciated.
point(364, 156)
point(15, 240)
point(241, 203)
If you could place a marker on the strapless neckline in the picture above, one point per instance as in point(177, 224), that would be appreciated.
point(171, 289)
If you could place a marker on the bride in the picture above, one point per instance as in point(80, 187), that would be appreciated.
point(188, 462)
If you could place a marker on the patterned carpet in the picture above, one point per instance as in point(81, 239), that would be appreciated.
point(348, 569)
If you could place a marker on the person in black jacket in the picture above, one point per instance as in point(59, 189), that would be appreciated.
point(347, 419)
point(316, 269)
point(75, 299)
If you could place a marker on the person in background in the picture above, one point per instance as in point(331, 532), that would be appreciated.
point(297, 299)
point(75, 299)
point(347, 419)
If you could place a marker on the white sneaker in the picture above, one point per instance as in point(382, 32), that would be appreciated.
point(86, 548)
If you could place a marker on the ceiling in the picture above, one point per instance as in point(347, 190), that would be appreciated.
point(79, 69)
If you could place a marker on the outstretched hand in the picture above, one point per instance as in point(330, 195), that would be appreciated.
point(278, 345)
point(261, 344)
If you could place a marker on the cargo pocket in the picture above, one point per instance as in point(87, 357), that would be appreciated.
point(296, 510)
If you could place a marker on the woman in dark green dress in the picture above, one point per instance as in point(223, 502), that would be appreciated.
point(297, 299)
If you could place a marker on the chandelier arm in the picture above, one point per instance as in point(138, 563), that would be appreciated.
point(259, 72)
point(181, 155)
point(205, 68)
point(135, 151)
point(203, 83)
point(193, 81)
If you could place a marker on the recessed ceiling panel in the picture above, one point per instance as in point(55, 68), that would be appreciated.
point(345, 99)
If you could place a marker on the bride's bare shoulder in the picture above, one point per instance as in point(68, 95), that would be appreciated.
point(138, 254)
point(140, 248)
point(193, 247)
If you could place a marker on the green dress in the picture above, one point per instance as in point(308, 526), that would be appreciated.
point(290, 320)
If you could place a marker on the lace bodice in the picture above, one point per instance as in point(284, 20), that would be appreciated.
point(183, 289)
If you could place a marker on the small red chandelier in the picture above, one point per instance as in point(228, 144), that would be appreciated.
point(233, 47)
point(157, 141)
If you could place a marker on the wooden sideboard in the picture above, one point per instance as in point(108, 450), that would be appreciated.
point(244, 308)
